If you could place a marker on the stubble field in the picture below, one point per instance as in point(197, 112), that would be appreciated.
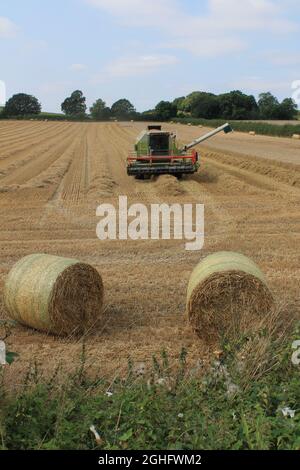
point(54, 175)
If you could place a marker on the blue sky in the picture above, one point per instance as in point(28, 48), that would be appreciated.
point(148, 50)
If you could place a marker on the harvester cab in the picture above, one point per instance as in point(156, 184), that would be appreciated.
point(156, 152)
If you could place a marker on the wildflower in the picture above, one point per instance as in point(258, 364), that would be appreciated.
point(288, 412)
point(96, 434)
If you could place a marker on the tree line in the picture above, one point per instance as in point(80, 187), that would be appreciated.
point(234, 105)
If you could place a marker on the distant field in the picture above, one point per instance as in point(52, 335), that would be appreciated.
point(274, 148)
point(42, 117)
point(296, 122)
point(260, 127)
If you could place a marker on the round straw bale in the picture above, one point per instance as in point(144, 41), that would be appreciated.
point(227, 294)
point(54, 294)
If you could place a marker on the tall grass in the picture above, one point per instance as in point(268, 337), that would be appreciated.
point(212, 409)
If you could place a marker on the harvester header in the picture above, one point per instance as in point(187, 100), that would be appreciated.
point(156, 152)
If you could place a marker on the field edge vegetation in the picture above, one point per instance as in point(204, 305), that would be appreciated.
point(260, 128)
point(224, 407)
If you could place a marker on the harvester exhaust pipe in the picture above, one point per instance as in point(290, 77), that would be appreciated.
point(226, 128)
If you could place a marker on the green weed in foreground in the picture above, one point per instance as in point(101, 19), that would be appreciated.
point(216, 411)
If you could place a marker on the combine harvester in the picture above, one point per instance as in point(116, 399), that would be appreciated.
point(156, 153)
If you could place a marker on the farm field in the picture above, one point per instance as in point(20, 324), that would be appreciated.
point(281, 149)
point(53, 175)
point(277, 122)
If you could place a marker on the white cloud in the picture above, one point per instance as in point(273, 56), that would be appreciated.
point(7, 28)
point(206, 46)
point(78, 67)
point(283, 59)
point(133, 66)
point(139, 12)
point(259, 85)
point(222, 14)
point(52, 88)
point(211, 34)
point(138, 65)
point(248, 15)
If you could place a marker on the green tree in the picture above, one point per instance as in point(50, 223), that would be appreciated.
point(237, 105)
point(178, 102)
point(165, 110)
point(149, 115)
point(123, 109)
point(74, 105)
point(99, 110)
point(268, 106)
point(22, 104)
point(190, 101)
point(205, 106)
point(287, 109)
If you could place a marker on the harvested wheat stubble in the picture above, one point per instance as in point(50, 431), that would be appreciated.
point(227, 295)
point(168, 185)
point(53, 294)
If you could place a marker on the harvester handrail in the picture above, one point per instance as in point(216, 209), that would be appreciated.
point(134, 157)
